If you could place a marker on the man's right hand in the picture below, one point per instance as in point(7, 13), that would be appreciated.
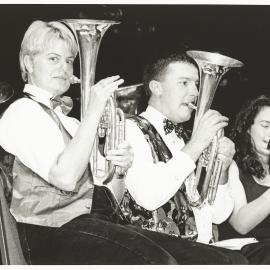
point(202, 136)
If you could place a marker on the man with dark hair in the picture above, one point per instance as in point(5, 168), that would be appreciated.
point(155, 69)
point(161, 183)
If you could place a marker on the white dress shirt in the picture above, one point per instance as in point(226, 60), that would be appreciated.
point(37, 146)
point(153, 184)
point(236, 189)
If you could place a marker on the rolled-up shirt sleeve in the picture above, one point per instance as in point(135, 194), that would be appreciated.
point(153, 184)
point(27, 132)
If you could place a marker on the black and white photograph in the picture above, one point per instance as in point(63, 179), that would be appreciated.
point(134, 133)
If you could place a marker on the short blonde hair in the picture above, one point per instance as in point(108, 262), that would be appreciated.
point(39, 36)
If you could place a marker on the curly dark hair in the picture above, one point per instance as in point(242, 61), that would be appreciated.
point(155, 69)
point(246, 156)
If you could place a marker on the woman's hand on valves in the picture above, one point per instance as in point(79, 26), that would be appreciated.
point(122, 156)
point(101, 91)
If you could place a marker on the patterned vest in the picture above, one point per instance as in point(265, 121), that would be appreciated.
point(35, 201)
point(173, 218)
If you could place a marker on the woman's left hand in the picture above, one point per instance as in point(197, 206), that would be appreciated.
point(122, 156)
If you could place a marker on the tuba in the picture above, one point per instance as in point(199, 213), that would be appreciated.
point(88, 34)
point(212, 66)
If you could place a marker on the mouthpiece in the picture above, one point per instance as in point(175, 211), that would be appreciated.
point(192, 106)
point(268, 145)
point(73, 79)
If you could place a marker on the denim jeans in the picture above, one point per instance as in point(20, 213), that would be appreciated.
point(103, 237)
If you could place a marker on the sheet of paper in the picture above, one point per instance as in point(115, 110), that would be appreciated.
point(234, 243)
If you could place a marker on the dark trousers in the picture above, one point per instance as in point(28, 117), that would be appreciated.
point(257, 253)
point(102, 237)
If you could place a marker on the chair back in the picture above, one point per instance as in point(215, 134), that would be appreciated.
point(10, 246)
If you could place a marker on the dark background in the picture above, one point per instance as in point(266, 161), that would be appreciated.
point(238, 31)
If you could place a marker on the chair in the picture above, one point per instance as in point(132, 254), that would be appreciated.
point(10, 246)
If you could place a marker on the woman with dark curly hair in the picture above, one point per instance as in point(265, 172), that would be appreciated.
point(251, 214)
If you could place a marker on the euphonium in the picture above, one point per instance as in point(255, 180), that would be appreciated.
point(88, 34)
point(212, 67)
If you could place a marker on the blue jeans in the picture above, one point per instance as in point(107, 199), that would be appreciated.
point(102, 237)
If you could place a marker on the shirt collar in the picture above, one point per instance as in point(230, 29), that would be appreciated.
point(155, 117)
point(38, 94)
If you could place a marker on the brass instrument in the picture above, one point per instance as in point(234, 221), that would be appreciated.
point(88, 34)
point(212, 66)
point(6, 92)
point(129, 98)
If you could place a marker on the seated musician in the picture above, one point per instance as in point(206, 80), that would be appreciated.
point(62, 217)
point(159, 183)
point(250, 216)
point(52, 184)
